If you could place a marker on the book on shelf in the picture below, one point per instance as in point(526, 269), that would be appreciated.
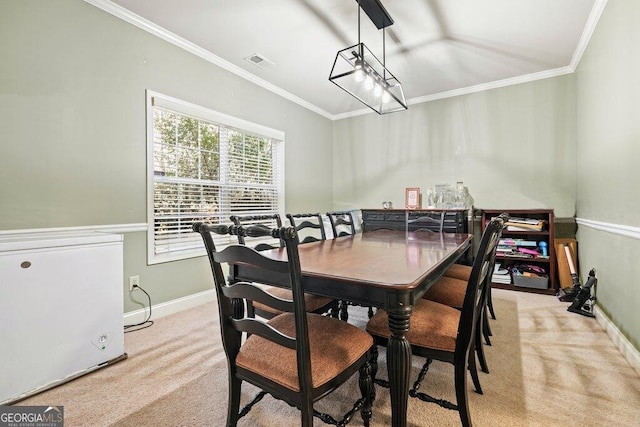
point(500, 275)
point(520, 227)
point(532, 252)
point(530, 221)
point(518, 224)
point(517, 242)
point(514, 254)
point(506, 279)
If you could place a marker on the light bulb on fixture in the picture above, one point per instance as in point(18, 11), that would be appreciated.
point(359, 74)
point(377, 90)
point(368, 82)
point(385, 96)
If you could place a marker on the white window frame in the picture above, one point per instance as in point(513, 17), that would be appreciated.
point(200, 113)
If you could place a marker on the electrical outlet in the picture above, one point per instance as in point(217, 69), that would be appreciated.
point(133, 282)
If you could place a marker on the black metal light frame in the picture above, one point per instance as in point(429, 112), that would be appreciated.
point(361, 74)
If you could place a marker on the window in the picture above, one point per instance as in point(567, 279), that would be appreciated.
point(205, 166)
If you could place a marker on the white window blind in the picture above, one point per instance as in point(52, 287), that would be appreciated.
point(206, 166)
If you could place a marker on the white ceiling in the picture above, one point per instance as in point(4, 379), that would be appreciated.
point(435, 48)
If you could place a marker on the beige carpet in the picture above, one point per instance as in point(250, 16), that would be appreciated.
point(548, 367)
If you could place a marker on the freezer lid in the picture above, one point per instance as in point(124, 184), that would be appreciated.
point(27, 241)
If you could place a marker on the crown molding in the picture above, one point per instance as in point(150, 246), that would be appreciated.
point(494, 85)
point(354, 113)
point(146, 25)
point(594, 17)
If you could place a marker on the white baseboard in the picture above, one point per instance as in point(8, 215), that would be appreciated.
point(170, 307)
point(620, 341)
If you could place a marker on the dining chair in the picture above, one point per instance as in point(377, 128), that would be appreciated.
point(342, 223)
point(462, 272)
point(268, 221)
point(450, 290)
point(311, 224)
point(440, 332)
point(296, 356)
point(314, 303)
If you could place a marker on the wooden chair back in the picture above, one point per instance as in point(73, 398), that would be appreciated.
point(265, 221)
point(342, 223)
point(309, 225)
point(477, 286)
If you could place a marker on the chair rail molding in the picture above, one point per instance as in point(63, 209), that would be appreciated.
point(622, 230)
point(106, 228)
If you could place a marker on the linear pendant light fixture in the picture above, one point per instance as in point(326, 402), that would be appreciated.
point(357, 71)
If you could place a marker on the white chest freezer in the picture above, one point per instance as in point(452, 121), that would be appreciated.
point(61, 309)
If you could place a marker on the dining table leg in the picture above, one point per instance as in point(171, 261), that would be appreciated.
point(399, 363)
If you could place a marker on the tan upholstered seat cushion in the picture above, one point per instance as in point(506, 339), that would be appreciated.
point(447, 291)
point(312, 302)
point(459, 271)
point(335, 345)
point(433, 326)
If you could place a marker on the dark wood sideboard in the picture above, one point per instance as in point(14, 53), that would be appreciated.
point(455, 220)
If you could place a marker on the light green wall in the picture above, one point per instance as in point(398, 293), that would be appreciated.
point(608, 154)
point(72, 112)
point(514, 147)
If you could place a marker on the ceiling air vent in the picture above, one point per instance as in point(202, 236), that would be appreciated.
point(259, 61)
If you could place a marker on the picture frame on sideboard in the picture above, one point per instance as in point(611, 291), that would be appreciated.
point(412, 198)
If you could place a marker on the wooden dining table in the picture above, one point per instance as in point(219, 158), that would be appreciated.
point(385, 269)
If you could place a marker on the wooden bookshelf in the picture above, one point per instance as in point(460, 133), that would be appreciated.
point(545, 234)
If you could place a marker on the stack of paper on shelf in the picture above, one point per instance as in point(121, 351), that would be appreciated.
point(518, 248)
point(524, 224)
point(500, 275)
point(517, 242)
